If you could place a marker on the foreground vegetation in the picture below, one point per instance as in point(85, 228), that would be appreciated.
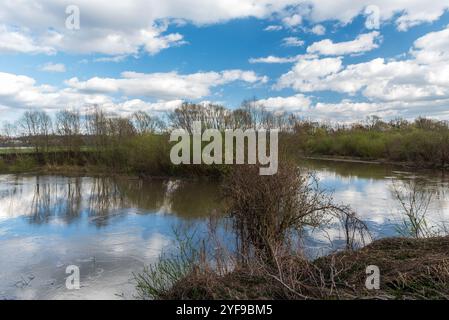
point(410, 269)
point(268, 216)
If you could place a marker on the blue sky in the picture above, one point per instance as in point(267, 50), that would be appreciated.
point(321, 59)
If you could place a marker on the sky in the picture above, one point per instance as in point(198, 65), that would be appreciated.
point(326, 60)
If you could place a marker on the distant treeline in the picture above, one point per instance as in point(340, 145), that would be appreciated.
point(421, 143)
point(139, 142)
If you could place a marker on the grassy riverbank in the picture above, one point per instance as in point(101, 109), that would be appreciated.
point(409, 268)
point(422, 143)
point(142, 155)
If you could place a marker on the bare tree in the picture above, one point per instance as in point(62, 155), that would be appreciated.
point(36, 126)
point(145, 123)
point(120, 128)
point(8, 129)
point(68, 127)
point(97, 127)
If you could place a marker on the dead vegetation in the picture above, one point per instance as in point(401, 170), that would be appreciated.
point(268, 215)
point(410, 269)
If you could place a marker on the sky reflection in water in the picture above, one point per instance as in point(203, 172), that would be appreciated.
point(111, 228)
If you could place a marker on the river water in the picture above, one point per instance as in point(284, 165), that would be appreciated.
point(112, 227)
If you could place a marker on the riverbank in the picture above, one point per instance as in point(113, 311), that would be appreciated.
point(30, 164)
point(403, 164)
point(137, 162)
point(409, 269)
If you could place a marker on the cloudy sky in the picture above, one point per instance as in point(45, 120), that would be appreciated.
point(339, 60)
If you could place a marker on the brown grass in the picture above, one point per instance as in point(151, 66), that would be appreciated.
point(410, 269)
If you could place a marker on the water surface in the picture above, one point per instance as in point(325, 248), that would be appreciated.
point(112, 227)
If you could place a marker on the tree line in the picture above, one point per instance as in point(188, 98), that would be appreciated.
point(421, 141)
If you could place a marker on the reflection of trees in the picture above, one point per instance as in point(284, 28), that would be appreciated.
point(101, 197)
point(104, 197)
point(51, 200)
point(146, 195)
point(11, 190)
point(40, 205)
point(187, 199)
point(349, 169)
point(194, 199)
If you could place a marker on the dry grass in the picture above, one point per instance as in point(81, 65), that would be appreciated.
point(268, 214)
point(410, 269)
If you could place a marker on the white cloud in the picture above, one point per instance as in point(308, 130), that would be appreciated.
point(167, 89)
point(111, 59)
point(130, 106)
point(118, 43)
point(106, 29)
point(363, 43)
point(22, 92)
point(53, 67)
point(347, 111)
point(16, 41)
point(170, 85)
point(273, 28)
point(17, 91)
point(273, 59)
point(415, 86)
point(292, 21)
point(295, 103)
point(432, 47)
point(404, 13)
point(307, 74)
point(292, 42)
point(318, 29)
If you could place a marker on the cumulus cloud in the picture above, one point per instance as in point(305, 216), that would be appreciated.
point(348, 111)
point(405, 14)
point(17, 91)
point(417, 85)
point(129, 106)
point(423, 76)
point(115, 59)
point(170, 85)
point(318, 29)
point(167, 89)
point(17, 41)
point(292, 42)
point(53, 67)
point(273, 28)
point(307, 74)
point(292, 21)
point(432, 47)
point(363, 43)
point(23, 92)
point(273, 59)
point(107, 30)
point(295, 103)
point(279, 60)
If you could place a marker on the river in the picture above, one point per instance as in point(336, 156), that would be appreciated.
point(112, 227)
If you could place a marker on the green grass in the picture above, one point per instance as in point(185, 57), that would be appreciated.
point(16, 150)
point(416, 146)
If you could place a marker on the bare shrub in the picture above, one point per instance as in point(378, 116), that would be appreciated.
point(270, 211)
point(414, 201)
